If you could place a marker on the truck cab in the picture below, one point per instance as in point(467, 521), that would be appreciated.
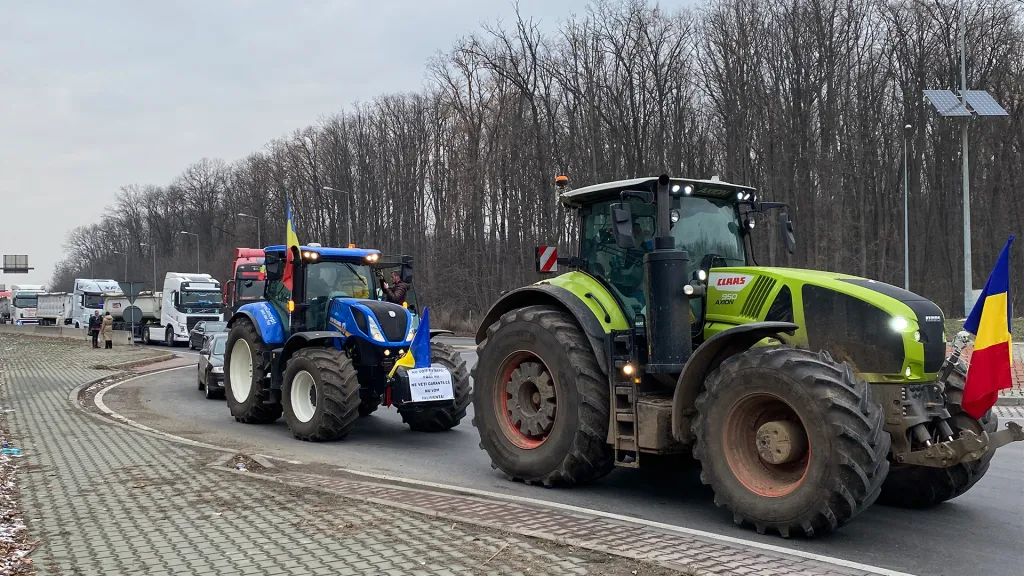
point(247, 279)
point(25, 303)
point(89, 294)
point(187, 300)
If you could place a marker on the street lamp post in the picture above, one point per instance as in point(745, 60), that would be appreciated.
point(197, 247)
point(348, 209)
point(906, 217)
point(125, 254)
point(259, 242)
point(152, 248)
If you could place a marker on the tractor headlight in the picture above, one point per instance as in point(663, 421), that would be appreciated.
point(375, 332)
point(899, 324)
point(411, 334)
point(674, 216)
point(218, 370)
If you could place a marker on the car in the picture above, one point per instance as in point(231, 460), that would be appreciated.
point(211, 365)
point(197, 336)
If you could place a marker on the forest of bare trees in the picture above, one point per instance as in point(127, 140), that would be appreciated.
point(804, 99)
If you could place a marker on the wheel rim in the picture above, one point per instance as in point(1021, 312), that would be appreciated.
point(241, 370)
point(524, 400)
point(303, 396)
point(766, 445)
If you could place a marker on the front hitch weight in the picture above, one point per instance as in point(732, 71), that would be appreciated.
point(968, 448)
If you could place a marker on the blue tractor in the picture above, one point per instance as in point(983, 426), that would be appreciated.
point(327, 351)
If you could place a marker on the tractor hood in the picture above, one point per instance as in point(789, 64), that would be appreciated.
point(885, 332)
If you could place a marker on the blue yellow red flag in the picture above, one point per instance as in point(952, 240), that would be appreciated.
point(291, 246)
point(992, 358)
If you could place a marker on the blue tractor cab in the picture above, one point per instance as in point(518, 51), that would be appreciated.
point(324, 348)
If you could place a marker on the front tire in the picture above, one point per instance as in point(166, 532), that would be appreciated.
point(790, 440)
point(540, 399)
point(246, 362)
point(923, 486)
point(320, 394)
point(446, 418)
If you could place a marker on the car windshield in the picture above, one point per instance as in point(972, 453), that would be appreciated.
point(211, 327)
point(343, 279)
point(25, 301)
point(218, 346)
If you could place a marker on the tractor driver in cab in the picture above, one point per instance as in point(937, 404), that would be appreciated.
point(395, 291)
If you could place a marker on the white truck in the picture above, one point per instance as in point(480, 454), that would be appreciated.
point(89, 294)
point(54, 308)
point(24, 302)
point(187, 300)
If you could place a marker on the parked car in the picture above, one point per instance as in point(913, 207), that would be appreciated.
point(198, 335)
point(211, 365)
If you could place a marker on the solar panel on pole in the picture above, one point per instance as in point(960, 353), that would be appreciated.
point(984, 104)
point(946, 103)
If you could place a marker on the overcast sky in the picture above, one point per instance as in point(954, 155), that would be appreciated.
point(96, 95)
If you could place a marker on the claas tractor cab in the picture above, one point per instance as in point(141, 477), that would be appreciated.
point(322, 350)
point(805, 395)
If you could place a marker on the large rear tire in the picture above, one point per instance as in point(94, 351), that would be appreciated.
point(440, 419)
point(246, 367)
point(540, 399)
point(790, 440)
point(922, 486)
point(320, 394)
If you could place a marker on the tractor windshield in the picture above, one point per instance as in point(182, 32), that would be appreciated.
point(326, 279)
point(705, 226)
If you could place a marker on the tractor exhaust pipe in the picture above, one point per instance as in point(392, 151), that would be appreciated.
point(668, 307)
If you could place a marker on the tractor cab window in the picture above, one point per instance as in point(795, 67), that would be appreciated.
point(622, 269)
point(326, 280)
point(709, 226)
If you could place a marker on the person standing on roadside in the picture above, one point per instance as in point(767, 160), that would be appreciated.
point(95, 323)
point(108, 331)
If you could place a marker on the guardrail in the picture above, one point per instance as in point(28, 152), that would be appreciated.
point(120, 337)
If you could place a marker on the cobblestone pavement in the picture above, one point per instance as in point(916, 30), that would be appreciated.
point(104, 499)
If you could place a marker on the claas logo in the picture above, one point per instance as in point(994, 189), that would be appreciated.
point(732, 281)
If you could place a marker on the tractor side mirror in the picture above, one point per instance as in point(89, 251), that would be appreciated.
point(622, 225)
point(274, 266)
point(786, 230)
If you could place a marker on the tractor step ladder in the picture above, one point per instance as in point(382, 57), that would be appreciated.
point(624, 396)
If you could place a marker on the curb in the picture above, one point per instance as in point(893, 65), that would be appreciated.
point(1010, 401)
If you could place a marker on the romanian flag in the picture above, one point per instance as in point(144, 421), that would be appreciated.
point(992, 358)
point(291, 242)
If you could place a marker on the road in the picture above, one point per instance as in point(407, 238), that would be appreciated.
point(979, 532)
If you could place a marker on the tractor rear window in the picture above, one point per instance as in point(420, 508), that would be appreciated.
point(852, 331)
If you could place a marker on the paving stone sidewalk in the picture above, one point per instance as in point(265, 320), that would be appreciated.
point(103, 499)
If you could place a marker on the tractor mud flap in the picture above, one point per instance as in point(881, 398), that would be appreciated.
point(969, 447)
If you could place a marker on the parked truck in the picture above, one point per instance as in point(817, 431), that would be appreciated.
point(187, 299)
point(149, 305)
point(54, 308)
point(247, 279)
point(89, 295)
point(24, 303)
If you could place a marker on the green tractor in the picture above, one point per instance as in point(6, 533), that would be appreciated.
point(805, 395)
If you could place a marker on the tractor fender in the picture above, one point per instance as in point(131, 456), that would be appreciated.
point(264, 318)
point(301, 340)
point(546, 294)
point(440, 332)
point(707, 357)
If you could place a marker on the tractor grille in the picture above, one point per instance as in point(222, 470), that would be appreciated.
point(394, 327)
point(758, 295)
point(191, 321)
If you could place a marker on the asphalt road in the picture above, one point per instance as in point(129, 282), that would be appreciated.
point(978, 533)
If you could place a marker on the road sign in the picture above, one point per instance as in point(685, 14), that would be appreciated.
point(16, 264)
point(131, 291)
